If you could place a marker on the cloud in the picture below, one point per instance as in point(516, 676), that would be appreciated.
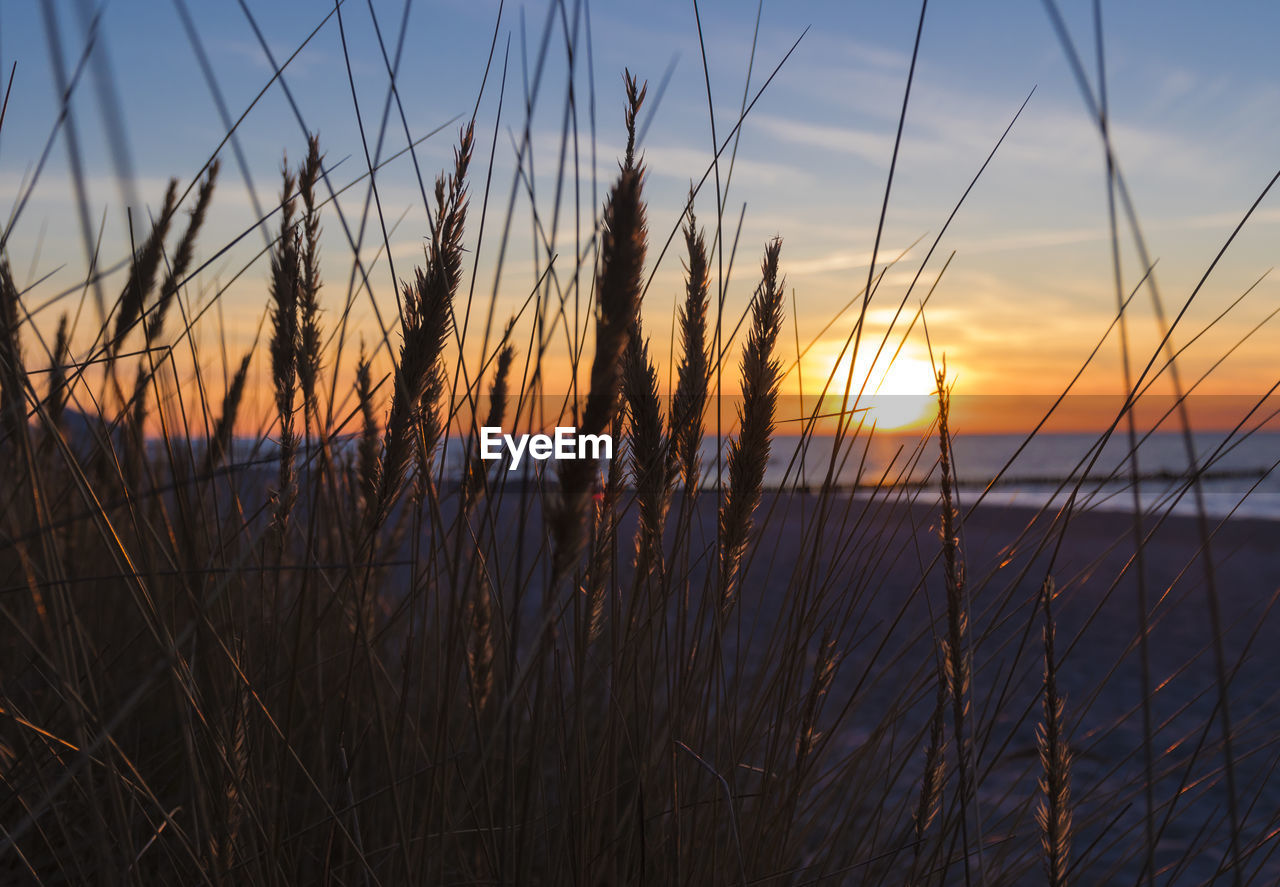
point(839, 260)
point(1021, 240)
point(947, 126)
point(664, 160)
point(870, 145)
point(312, 58)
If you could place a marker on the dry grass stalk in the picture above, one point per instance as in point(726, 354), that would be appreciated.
point(13, 374)
point(138, 415)
point(480, 648)
point(824, 672)
point(749, 455)
point(370, 445)
point(648, 451)
point(935, 766)
point(635, 98)
point(153, 321)
point(56, 401)
point(480, 640)
point(414, 421)
point(955, 662)
point(285, 286)
point(601, 565)
point(309, 333)
point(688, 405)
point(1054, 812)
point(234, 753)
point(602, 560)
point(473, 478)
point(142, 272)
point(622, 252)
point(652, 483)
point(224, 429)
point(182, 256)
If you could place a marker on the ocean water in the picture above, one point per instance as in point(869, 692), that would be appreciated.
point(1239, 474)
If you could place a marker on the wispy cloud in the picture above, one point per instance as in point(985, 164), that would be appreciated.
point(251, 53)
point(839, 260)
point(869, 145)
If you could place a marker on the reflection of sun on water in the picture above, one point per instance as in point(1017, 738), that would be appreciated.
point(897, 396)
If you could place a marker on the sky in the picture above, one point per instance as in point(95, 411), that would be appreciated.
point(1194, 109)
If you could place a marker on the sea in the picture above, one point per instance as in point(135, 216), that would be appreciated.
point(1238, 473)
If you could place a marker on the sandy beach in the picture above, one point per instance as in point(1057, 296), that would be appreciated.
point(881, 560)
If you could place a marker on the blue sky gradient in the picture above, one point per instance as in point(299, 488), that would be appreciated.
point(1193, 89)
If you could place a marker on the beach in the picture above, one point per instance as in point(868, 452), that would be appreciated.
point(876, 568)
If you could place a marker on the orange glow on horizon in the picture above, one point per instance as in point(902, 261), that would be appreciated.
point(890, 392)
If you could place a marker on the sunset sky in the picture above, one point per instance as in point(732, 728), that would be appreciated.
point(1195, 109)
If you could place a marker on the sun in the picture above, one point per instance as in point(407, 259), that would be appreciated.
point(895, 393)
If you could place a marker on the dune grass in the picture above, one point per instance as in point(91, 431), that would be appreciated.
point(318, 651)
